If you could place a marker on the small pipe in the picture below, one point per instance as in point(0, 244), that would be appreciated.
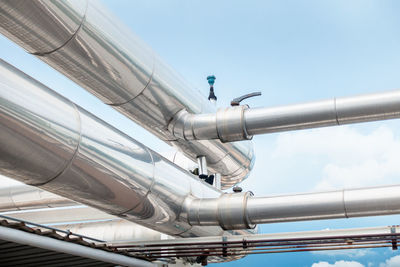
point(240, 211)
point(202, 163)
point(241, 123)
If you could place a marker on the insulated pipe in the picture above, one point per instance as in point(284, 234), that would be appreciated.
point(49, 142)
point(241, 210)
point(241, 123)
point(82, 40)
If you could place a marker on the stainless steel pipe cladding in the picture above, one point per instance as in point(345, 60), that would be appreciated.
point(229, 211)
point(241, 123)
point(237, 211)
point(91, 47)
point(337, 111)
point(346, 203)
point(49, 142)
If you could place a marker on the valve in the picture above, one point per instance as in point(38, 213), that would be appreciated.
point(236, 101)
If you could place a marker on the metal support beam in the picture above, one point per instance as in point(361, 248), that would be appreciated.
point(18, 236)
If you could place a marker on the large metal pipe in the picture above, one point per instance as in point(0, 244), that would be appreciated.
point(238, 211)
point(91, 47)
point(49, 142)
point(33, 204)
point(241, 123)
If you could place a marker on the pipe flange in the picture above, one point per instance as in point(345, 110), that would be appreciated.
point(232, 211)
point(231, 124)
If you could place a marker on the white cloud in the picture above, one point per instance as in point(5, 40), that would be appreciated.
point(338, 264)
point(392, 262)
point(353, 253)
point(348, 157)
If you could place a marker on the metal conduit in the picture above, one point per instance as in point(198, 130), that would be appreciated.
point(241, 210)
point(83, 41)
point(241, 123)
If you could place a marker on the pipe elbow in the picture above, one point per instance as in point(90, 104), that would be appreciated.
point(227, 125)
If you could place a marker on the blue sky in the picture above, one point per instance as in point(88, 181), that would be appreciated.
point(292, 51)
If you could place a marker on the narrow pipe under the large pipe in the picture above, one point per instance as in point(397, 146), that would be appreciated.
point(233, 211)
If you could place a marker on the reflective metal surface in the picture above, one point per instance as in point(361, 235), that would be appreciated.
point(62, 151)
point(241, 123)
point(202, 165)
point(92, 48)
point(59, 22)
point(49, 142)
point(238, 211)
point(110, 171)
point(103, 57)
point(38, 140)
point(345, 203)
point(229, 211)
point(337, 111)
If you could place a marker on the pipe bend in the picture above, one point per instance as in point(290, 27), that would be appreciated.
point(194, 126)
point(227, 125)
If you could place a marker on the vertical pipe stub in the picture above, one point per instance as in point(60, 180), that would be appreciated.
point(211, 81)
point(202, 162)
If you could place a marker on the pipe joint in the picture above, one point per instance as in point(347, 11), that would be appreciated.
point(231, 125)
point(228, 211)
point(227, 125)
